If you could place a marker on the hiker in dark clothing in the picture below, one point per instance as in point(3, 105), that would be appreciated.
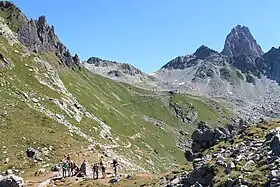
point(116, 167)
point(95, 171)
point(71, 168)
point(83, 168)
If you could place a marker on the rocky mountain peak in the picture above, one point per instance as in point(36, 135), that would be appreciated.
point(38, 36)
point(6, 4)
point(42, 21)
point(203, 52)
point(240, 41)
point(99, 62)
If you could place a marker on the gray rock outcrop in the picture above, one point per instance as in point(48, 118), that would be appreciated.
point(38, 36)
point(203, 175)
point(185, 111)
point(203, 137)
point(206, 136)
point(274, 141)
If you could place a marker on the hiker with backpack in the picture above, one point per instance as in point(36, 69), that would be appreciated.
point(95, 171)
point(64, 168)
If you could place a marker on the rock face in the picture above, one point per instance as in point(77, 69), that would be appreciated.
point(38, 36)
point(268, 64)
point(206, 136)
point(240, 41)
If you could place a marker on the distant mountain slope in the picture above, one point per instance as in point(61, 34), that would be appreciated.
point(240, 74)
point(121, 72)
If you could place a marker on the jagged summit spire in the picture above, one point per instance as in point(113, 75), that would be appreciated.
point(240, 41)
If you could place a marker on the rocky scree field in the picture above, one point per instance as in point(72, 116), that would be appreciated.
point(242, 155)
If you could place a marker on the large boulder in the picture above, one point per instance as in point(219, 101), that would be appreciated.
point(189, 155)
point(243, 125)
point(274, 141)
point(203, 137)
point(203, 175)
point(33, 153)
point(206, 136)
point(30, 152)
point(275, 145)
point(11, 181)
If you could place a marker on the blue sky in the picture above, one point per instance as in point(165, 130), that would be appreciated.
point(149, 33)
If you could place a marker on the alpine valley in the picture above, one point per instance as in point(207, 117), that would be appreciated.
point(203, 119)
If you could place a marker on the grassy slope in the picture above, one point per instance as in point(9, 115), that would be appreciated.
point(120, 105)
point(125, 115)
point(205, 112)
point(22, 126)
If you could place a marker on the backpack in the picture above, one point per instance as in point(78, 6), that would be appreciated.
point(95, 166)
point(64, 165)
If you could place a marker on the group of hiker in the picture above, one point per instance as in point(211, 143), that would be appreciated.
point(70, 169)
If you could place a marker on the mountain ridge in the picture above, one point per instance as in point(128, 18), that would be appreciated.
point(245, 77)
